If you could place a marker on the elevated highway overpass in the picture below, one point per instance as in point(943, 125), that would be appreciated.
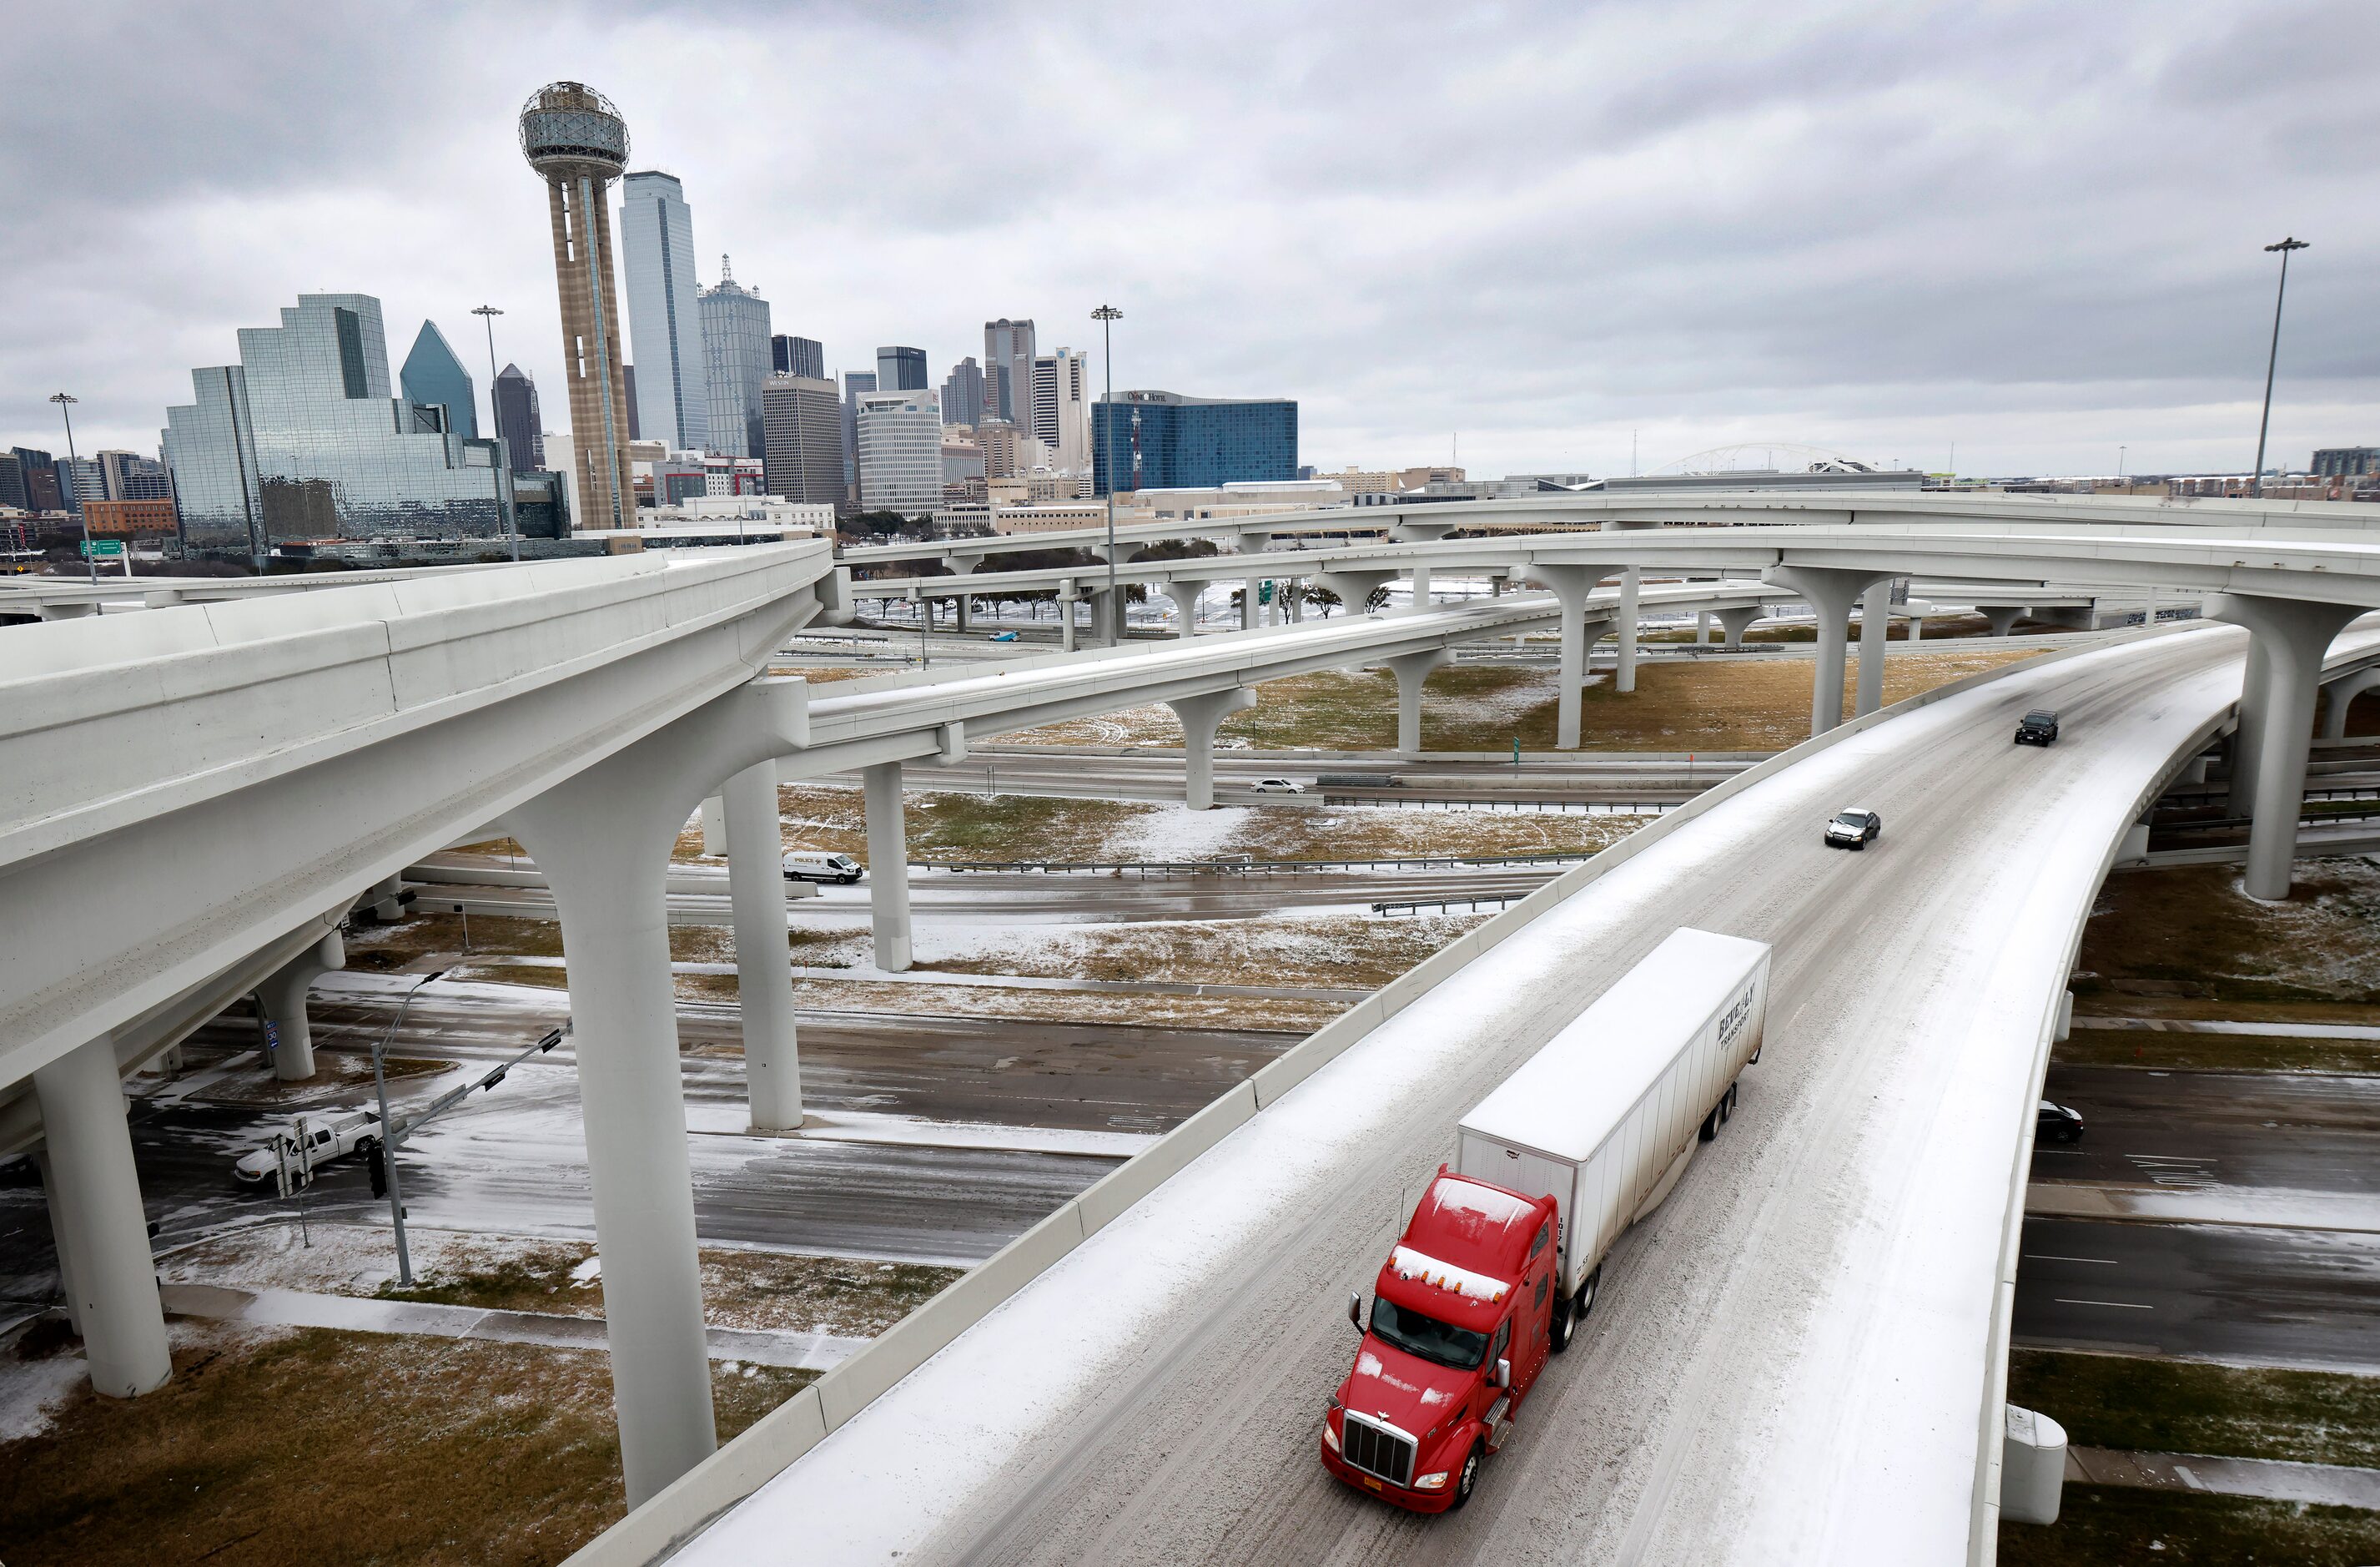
point(1800, 1356)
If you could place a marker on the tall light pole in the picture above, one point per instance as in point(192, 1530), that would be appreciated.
point(66, 403)
point(2256, 482)
point(1107, 316)
point(388, 1127)
point(488, 314)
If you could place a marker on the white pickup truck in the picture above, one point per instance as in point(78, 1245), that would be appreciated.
point(307, 1142)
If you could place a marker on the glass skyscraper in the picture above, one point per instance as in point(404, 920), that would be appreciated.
point(735, 363)
point(305, 440)
point(434, 377)
point(798, 355)
point(519, 420)
point(900, 370)
point(1165, 441)
point(665, 319)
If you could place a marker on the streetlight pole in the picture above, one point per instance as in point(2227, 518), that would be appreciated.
point(388, 1128)
point(1107, 316)
point(488, 314)
point(2256, 480)
point(74, 482)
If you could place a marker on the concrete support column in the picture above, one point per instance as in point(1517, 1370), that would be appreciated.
point(1352, 588)
point(2003, 617)
point(61, 1241)
point(1625, 678)
point(1830, 592)
point(714, 826)
point(888, 866)
point(104, 1233)
point(764, 967)
point(1185, 596)
point(1411, 670)
point(1701, 628)
point(2294, 635)
point(1200, 717)
point(963, 608)
point(1421, 595)
point(386, 907)
point(283, 996)
point(1068, 600)
point(1570, 585)
point(1917, 628)
point(607, 861)
point(1735, 620)
point(2340, 695)
point(1248, 603)
point(1876, 619)
point(2247, 738)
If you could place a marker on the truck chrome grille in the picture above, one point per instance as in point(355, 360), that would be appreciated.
point(1377, 1449)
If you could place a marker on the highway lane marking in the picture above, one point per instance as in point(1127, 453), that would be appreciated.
point(2121, 1305)
point(2051, 1257)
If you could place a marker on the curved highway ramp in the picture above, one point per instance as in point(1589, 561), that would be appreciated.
point(1792, 1360)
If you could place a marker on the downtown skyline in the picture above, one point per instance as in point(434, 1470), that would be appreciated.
point(1882, 230)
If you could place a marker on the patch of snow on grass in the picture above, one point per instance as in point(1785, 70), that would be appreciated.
point(30, 1391)
point(1172, 831)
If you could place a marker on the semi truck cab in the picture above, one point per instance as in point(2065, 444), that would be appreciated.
point(1461, 1323)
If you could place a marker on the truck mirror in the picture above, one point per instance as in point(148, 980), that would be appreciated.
point(1355, 1310)
point(1503, 1374)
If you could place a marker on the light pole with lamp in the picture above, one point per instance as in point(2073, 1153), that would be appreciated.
point(1107, 315)
point(66, 401)
point(488, 314)
point(388, 1127)
point(2256, 480)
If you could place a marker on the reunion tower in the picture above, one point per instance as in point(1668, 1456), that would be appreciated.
point(573, 136)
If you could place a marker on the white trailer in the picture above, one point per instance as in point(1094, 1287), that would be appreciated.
point(1605, 1116)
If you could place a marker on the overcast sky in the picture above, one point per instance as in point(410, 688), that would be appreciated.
point(1567, 231)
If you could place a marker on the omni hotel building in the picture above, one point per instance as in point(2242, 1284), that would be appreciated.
point(304, 441)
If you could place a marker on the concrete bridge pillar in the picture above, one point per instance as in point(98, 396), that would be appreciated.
point(1625, 679)
point(1876, 619)
point(102, 1233)
point(1830, 592)
point(888, 866)
point(61, 1240)
point(1185, 596)
point(1570, 586)
point(764, 968)
point(282, 999)
point(2294, 635)
point(1735, 620)
point(1352, 588)
point(2002, 617)
point(2248, 735)
point(1200, 717)
point(962, 565)
point(1411, 670)
point(2341, 693)
point(1068, 600)
point(714, 826)
point(1701, 628)
point(605, 846)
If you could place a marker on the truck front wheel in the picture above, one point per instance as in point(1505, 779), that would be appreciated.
point(1469, 1479)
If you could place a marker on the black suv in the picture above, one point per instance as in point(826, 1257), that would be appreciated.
point(2056, 1123)
point(2039, 727)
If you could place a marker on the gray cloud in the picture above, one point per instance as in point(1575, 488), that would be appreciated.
point(2031, 228)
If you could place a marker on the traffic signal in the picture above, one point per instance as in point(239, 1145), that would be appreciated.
point(376, 1160)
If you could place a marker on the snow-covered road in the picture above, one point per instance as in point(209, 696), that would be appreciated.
point(1788, 1360)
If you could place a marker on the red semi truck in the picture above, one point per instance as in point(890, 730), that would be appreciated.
point(1504, 1254)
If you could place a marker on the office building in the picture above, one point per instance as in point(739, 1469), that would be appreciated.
point(900, 452)
point(665, 312)
point(803, 357)
point(1062, 386)
point(38, 472)
point(577, 143)
point(1008, 370)
point(128, 476)
point(1008, 450)
point(2345, 462)
point(962, 394)
point(518, 420)
point(149, 518)
point(12, 483)
point(1165, 441)
point(434, 377)
point(81, 479)
point(855, 382)
point(628, 375)
point(802, 439)
point(900, 370)
point(305, 439)
point(735, 361)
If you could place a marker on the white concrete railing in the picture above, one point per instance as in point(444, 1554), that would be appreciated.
point(804, 1420)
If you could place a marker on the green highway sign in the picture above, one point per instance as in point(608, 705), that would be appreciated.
point(103, 549)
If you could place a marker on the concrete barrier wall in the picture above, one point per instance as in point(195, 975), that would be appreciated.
point(739, 1468)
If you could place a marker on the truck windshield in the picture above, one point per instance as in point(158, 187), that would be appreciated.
point(1427, 1336)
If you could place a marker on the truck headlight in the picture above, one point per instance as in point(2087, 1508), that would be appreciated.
point(1431, 1482)
point(1330, 1437)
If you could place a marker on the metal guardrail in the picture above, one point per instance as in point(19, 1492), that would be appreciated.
point(1523, 808)
point(2217, 796)
point(1489, 900)
point(1252, 867)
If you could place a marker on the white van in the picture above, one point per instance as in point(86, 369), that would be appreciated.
point(308, 1142)
point(801, 865)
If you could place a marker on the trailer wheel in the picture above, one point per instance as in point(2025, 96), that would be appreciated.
point(1726, 1105)
point(1467, 1480)
point(1585, 1299)
point(1710, 1124)
point(1562, 1323)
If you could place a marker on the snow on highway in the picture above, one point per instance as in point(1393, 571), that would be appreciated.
point(1788, 1362)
